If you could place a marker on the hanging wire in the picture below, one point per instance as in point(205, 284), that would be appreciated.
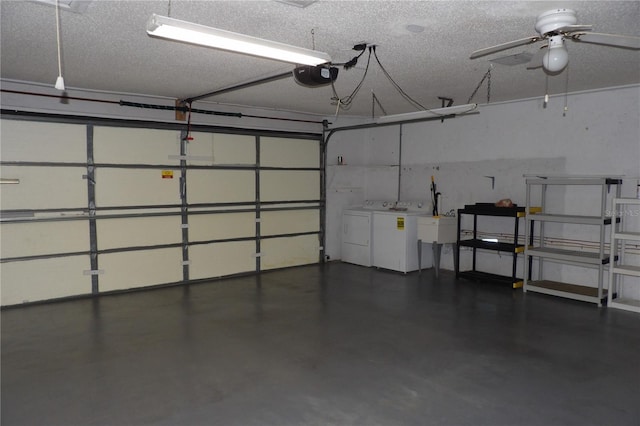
point(489, 85)
point(354, 61)
point(345, 102)
point(338, 106)
point(169, 9)
point(396, 85)
point(566, 94)
point(188, 136)
point(375, 101)
point(546, 91)
point(487, 76)
point(373, 104)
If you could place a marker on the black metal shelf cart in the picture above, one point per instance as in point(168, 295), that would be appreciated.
point(475, 243)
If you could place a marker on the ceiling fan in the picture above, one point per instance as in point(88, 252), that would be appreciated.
point(556, 26)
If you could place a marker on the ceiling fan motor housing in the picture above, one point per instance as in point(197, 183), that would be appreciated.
point(551, 20)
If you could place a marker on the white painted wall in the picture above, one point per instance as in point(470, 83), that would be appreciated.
point(598, 135)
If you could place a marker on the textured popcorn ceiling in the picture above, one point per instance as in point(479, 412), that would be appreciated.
point(106, 48)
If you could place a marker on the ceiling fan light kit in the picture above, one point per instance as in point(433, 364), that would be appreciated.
point(556, 26)
point(556, 58)
point(175, 29)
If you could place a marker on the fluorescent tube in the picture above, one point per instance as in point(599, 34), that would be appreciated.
point(457, 109)
point(175, 29)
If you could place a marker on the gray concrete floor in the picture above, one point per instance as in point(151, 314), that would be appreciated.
point(322, 345)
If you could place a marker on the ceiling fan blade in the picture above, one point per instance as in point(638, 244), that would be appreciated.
point(504, 46)
point(630, 42)
point(536, 60)
point(574, 28)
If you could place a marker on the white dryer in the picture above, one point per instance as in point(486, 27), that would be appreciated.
point(395, 236)
point(357, 232)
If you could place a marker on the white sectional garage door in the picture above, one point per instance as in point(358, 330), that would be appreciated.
point(101, 208)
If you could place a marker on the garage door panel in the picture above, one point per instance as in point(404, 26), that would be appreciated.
point(220, 226)
point(285, 152)
point(279, 185)
point(43, 279)
point(43, 142)
point(220, 148)
point(43, 238)
point(220, 186)
point(118, 145)
point(135, 269)
point(141, 187)
point(138, 232)
point(221, 259)
point(138, 173)
point(289, 251)
point(289, 222)
point(43, 188)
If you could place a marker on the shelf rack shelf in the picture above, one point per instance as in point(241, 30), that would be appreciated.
point(596, 259)
point(619, 239)
point(475, 243)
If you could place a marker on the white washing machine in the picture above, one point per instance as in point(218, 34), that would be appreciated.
point(357, 232)
point(395, 236)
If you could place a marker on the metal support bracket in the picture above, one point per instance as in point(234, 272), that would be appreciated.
point(449, 102)
point(493, 181)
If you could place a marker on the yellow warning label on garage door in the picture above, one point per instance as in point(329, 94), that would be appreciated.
point(167, 174)
point(400, 222)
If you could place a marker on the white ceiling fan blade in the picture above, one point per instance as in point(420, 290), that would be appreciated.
point(574, 28)
point(536, 61)
point(631, 42)
point(504, 46)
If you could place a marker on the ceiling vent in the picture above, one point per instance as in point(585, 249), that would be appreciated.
point(77, 6)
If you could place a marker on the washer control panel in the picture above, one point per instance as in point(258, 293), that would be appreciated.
point(421, 206)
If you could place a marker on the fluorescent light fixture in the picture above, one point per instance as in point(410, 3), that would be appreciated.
point(77, 6)
point(298, 3)
point(175, 29)
point(429, 113)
